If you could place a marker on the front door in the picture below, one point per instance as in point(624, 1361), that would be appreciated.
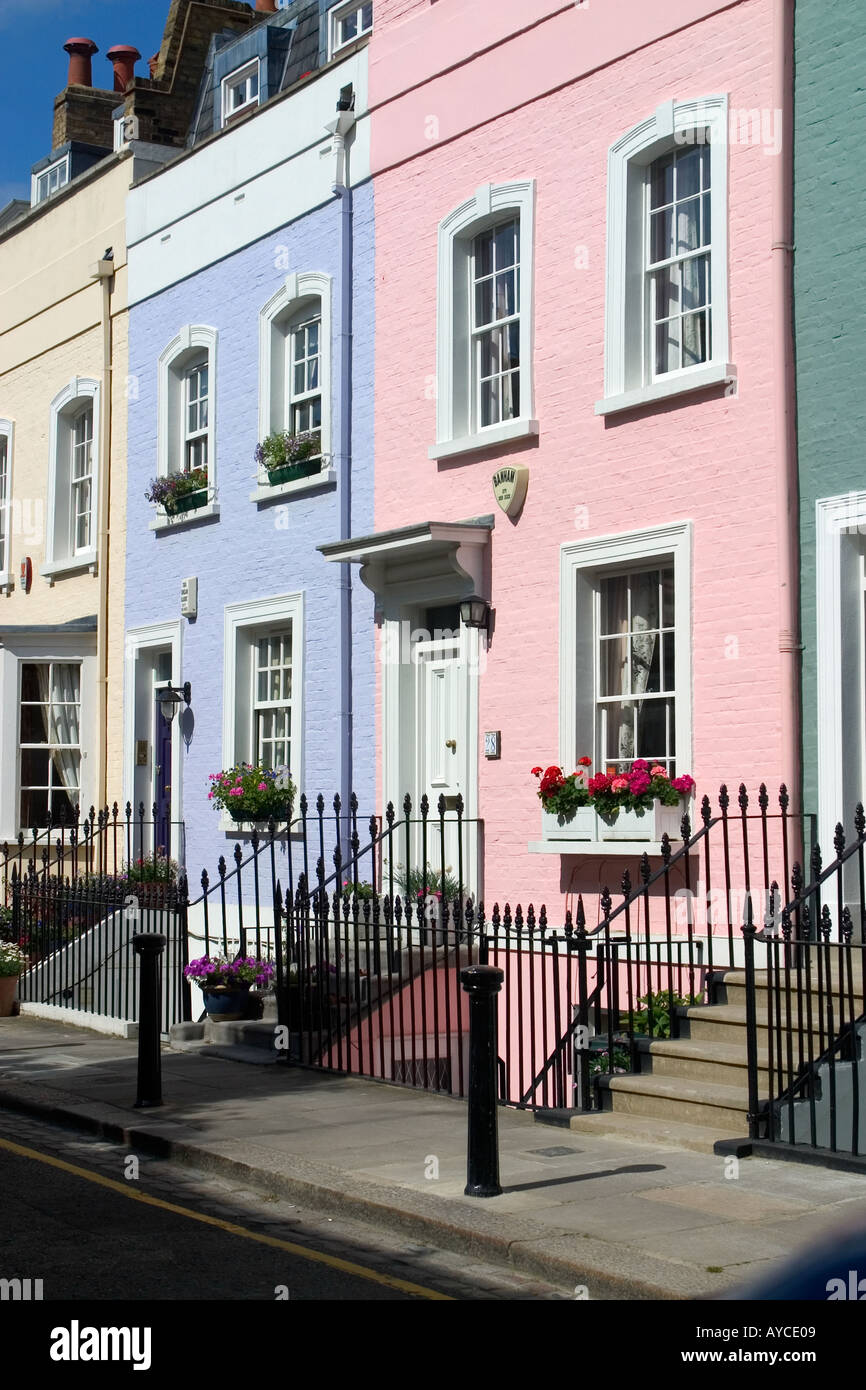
point(442, 755)
point(162, 781)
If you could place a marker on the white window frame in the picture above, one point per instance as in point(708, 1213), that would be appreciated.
point(41, 647)
point(628, 378)
point(77, 483)
point(277, 318)
point(192, 438)
point(242, 74)
point(582, 563)
point(260, 706)
point(36, 180)
point(78, 747)
point(490, 205)
point(243, 626)
point(192, 343)
point(60, 554)
point(7, 436)
point(335, 18)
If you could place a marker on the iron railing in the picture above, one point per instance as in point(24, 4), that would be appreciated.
point(101, 843)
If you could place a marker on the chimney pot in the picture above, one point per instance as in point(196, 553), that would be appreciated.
point(124, 57)
point(80, 53)
point(153, 64)
point(266, 7)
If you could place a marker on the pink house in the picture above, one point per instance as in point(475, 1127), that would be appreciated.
point(581, 291)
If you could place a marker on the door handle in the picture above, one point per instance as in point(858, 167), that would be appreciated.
point(451, 743)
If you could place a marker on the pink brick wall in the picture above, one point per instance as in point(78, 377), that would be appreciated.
point(711, 460)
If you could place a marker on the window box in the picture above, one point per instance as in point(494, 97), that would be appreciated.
point(643, 825)
point(240, 814)
point(190, 501)
point(291, 472)
point(579, 825)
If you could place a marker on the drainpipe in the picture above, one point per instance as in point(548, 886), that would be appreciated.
point(787, 485)
point(103, 271)
point(339, 129)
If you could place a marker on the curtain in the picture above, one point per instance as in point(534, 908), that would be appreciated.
point(63, 721)
point(644, 590)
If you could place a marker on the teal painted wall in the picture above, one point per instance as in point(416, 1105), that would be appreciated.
point(829, 290)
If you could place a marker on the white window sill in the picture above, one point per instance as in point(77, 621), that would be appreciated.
point(57, 568)
point(601, 848)
point(299, 487)
point(485, 439)
point(161, 522)
point(697, 379)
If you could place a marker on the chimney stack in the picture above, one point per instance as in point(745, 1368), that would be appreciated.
point(266, 7)
point(124, 57)
point(80, 53)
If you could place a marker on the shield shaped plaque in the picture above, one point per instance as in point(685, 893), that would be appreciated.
point(509, 487)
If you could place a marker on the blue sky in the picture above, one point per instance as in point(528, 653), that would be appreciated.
point(33, 67)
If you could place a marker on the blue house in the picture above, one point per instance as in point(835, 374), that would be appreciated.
point(251, 314)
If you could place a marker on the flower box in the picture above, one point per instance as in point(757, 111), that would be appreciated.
point(643, 825)
point(292, 472)
point(240, 813)
point(189, 502)
point(579, 825)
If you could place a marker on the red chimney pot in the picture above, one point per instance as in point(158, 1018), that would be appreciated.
point(266, 7)
point(124, 57)
point(153, 63)
point(80, 53)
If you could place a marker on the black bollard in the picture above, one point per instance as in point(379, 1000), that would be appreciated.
point(482, 983)
point(149, 947)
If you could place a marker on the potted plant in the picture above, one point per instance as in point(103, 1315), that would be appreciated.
point(179, 492)
point(644, 803)
point(12, 962)
point(566, 806)
point(286, 456)
point(225, 984)
point(253, 793)
point(152, 879)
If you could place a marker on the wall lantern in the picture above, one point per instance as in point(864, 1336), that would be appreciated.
point(475, 612)
point(169, 700)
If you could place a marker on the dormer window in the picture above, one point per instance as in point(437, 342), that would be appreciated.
point(51, 180)
point(349, 22)
point(240, 90)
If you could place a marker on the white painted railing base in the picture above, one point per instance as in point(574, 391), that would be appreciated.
point(99, 1023)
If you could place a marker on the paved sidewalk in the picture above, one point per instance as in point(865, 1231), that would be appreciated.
point(624, 1220)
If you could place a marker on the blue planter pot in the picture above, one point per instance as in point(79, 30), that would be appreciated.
point(225, 1004)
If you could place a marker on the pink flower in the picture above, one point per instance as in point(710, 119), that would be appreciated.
point(236, 791)
point(263, 786)
point(685, 785)
point(658, 771)
point(639, 782)
point(619, 784)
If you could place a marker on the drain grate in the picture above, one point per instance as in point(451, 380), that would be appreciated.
point(555, 1151)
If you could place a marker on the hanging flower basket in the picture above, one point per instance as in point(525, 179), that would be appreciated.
point(253, 793)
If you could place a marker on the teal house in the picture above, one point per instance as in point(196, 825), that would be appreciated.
point(830, 336)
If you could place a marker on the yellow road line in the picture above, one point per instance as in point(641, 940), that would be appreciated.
point(345, 1266)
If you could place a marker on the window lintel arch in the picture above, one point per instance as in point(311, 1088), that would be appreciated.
point(299, 292)
point(192, 342)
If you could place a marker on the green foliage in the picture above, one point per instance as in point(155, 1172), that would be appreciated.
point(414, 883)
point(151, 868)
point(661, 1018)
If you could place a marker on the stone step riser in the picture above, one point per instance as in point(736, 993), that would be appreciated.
point(736, 996)
point(715, 1072)
point(709, 1031)
point(641, 1131)
point(727, 1121)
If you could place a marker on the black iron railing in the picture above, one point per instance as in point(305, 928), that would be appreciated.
point(96, 844)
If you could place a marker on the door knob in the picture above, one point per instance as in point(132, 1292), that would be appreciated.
point(451, 743)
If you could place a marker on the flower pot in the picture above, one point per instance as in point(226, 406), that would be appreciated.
point(290, 472)
point(579, 825)
point(8, 986)
point(226, 1003)
point(647, 825)
point(188, 502)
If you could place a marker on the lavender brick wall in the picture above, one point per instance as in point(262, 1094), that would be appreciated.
point(244, 554)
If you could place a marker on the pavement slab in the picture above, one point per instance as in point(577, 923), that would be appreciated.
point(619, 1219)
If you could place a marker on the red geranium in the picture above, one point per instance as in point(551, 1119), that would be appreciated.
point(551, 781)
point(585, 761)
point(599, 783)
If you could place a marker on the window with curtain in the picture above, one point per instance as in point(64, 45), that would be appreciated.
point(272, 699)
point(195, 417)
point(677, 267)
point(495, 323)
point(635, 680)
point(50, 742)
